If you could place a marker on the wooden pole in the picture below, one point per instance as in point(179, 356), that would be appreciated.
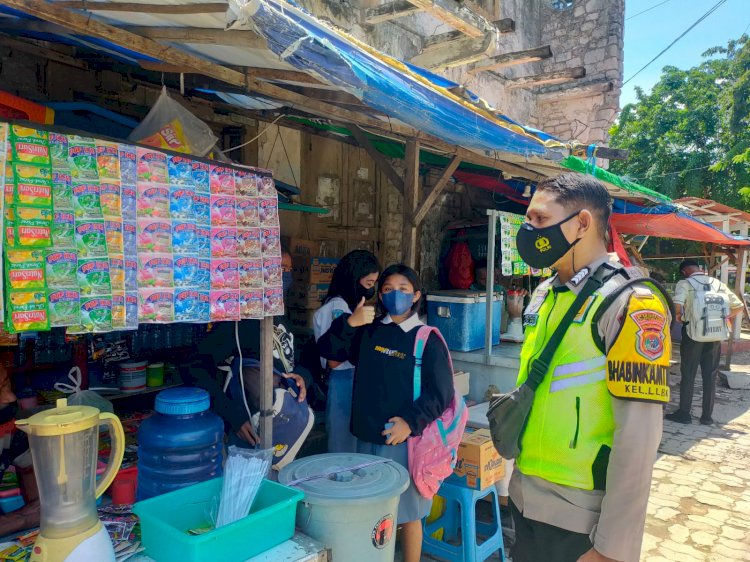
point(266, 383)
point(433, 195)
point(382, 162)
point(411, 197)
point(739, 289)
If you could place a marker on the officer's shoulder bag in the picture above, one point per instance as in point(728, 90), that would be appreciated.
point(508, 413)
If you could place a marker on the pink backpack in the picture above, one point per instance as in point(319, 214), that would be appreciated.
point(432, 455)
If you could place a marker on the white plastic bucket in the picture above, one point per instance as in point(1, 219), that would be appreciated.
point(353, 512)
point(132, 376)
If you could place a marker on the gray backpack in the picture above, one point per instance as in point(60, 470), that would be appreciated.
point(707, 312)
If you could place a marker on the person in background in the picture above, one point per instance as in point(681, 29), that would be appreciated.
point(354, 278)
point(480, 277)
point(581, 482)
point(693, 353)
point(220, 344)
point(384, 413)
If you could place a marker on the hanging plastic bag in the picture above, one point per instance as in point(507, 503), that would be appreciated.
point(460, 264)
point(169, 125)
point(78, 397)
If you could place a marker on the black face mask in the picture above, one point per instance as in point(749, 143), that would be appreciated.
point(363, 292)
point(542, 247)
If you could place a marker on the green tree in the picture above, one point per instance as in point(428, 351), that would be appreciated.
point(690, 135)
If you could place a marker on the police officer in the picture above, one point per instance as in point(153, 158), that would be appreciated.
point(581, 483)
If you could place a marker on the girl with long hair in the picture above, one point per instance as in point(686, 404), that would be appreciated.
point(353, 280)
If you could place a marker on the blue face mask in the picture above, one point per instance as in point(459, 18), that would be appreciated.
point(286, 281)
point(397, 303)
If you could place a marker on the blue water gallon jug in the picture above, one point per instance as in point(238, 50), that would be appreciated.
point(180, 445)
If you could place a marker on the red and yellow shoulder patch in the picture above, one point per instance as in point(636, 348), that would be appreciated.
point(638, 361)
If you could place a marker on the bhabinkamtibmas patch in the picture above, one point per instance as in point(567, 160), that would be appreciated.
point(638, 362)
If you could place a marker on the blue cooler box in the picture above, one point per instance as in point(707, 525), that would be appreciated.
point(460, 317)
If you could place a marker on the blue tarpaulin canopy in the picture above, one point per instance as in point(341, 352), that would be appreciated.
point(408, 93)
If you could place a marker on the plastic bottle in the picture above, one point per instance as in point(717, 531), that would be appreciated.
point(181, 444)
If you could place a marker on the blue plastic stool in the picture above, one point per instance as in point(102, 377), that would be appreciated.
point(453, 519)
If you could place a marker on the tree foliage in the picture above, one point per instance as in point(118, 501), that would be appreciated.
point(690, 136)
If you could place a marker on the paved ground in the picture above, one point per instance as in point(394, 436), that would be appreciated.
point(700, 497)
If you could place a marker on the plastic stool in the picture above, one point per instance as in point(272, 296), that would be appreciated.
point(451, 521)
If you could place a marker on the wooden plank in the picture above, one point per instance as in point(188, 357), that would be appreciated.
point(436, 191)
point(201, 35)
point(457, 51)
point(266, 383)
point(544, 78)
point(33, 47)
point(411, 198)
point(477, 9)
point(510, 59)
point(137, 7)
point(455, 15)
point(382, 162)
point(165, 67)
point(85, 25)
point(576, 91)
point(282, 75)
point(434, 41)
point(390, 11)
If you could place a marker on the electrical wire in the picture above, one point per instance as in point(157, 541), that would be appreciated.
point(669, 173)
point(241, 374)
point(255, 138)
point(688, 30)
point(647, 10)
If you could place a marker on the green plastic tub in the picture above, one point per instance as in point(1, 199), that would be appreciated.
point(166, 519)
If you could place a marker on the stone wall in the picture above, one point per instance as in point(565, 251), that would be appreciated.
point(589, 35)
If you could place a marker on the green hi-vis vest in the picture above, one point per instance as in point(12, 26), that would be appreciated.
point(570, 428)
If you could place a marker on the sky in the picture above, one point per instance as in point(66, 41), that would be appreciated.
point(647, 34)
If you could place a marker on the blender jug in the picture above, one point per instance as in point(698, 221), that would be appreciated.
point(64, 446)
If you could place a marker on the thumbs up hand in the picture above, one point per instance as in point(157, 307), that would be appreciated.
point(362, 315)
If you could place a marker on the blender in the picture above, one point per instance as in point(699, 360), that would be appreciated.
point(515, 312)
point(64, 445)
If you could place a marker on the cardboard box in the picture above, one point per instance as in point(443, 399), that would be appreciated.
point(307, 296)
point(479, 465)
point(314, 270)
point(302, 247)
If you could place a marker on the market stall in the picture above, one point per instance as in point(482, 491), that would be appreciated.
point(141, 237)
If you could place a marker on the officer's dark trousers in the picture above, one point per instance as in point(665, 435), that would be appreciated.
point(539, 542)
point(692, 355)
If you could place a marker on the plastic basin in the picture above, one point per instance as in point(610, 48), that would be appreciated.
point(166, 520)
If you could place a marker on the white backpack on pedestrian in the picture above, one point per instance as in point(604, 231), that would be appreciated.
point(708, 311)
